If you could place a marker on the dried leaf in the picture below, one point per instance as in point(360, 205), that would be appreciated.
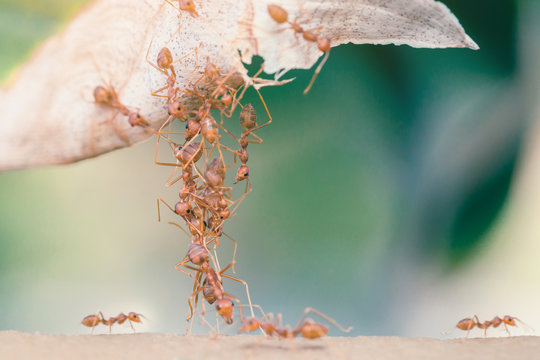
point(48, 114)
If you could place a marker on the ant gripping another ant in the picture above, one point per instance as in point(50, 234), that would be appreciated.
point(211, 287)
point(305, 327)
point(280, 16)
point(94, 320)
point(468, 324)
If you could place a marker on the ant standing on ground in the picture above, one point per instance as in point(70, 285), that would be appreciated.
point(468, 324)
point(94, 320)
point(305, 327)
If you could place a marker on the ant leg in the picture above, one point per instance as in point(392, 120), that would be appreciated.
point(317, 71)
point(227, 131)
point(267, 112)
point(247, 190)
point(197, 288)
point(257, 140)
point(326, 317)
point(153, 65)
point(157, 152)
point(119, 132)
point(255, 306)
point(195, 50)
point(234, 252)
point(167, 205)
point(170, 3)
point(218, 266)
point(205, 322)
point(243, 283)
point(506, 328)
point(183, 264)
point(131, 324)
point(168, 184)
point(181, 228)
point(303, 10)
point(195, 306)
point(156, 93)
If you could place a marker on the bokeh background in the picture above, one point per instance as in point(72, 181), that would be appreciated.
point(399, 196)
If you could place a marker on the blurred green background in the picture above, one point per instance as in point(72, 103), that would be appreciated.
point(388, 197)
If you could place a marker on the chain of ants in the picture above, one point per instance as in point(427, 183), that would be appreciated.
point(205, 203)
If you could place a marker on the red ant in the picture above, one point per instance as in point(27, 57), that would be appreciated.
point(109, 97)
point(280, 15)
point(468, 324)
point(93, 320)
point(185, 5)
point(306, 328)
point(212, 289)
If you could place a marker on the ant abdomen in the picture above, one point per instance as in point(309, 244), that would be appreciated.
point(164, 58)
point(248, 117)
point(313, 330)
point(103, 96)
point(466, 324)
point(278, 13)
point(197, 254)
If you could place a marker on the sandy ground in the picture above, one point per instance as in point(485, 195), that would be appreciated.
point(20, 345)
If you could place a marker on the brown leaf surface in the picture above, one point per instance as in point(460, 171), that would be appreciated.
point(48, 115)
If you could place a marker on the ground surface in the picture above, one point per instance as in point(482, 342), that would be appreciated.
point(19, 345)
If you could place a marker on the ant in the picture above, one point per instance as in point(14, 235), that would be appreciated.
point(468, 324)
point(93, 320)
point(211, 287)
point(280, 16)
point(109, 97)
point(164, 64)
point(185, 5)
point(305, 327)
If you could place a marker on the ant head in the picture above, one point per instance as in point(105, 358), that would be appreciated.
point(182, 208)
point(222, 203)
point(313, 330)
point(249, 325)
point(278, 13)
point(135, 119)
point(242, 173)
point(189, 6)
point(176, 109)
point(134, 317)
point(323, 44)
point(225, 308)
point(509, 320)
point(227, 99)
point(224, 214)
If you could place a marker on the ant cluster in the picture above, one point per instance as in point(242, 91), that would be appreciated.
point(199, 154)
